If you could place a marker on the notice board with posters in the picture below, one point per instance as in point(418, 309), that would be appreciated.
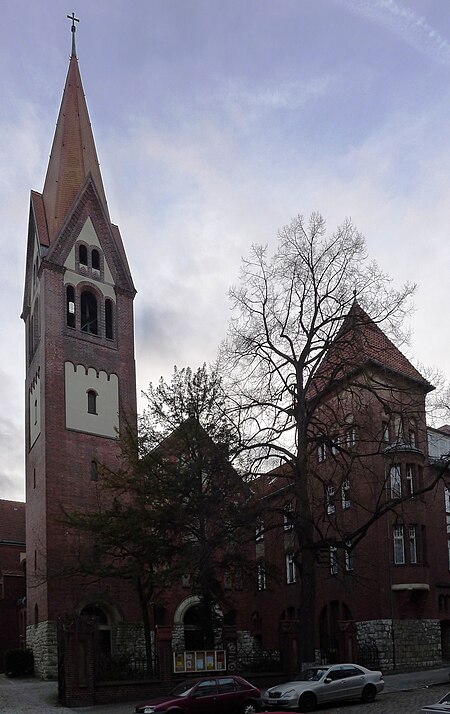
point(199, 661)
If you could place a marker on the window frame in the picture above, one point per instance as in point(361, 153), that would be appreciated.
point(261, 583)
point(398, 535)
point(413, 544)
point(88, 301)
point(109, 319)
point(92, 406)
point(395, 480)
point(71, 314)
point(291, 569)
point(334, 567)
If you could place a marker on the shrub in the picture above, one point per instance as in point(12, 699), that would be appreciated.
point(18, 662)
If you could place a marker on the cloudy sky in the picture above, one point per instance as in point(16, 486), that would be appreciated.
point(216, 121)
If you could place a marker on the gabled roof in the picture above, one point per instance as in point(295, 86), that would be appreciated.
point(73, 155)
point(12, 521)
point(361, 342)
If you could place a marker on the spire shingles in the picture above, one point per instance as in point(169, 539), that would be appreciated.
point(73, 156)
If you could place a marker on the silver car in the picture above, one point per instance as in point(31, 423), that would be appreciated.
point(317, 685)
point(442, 706)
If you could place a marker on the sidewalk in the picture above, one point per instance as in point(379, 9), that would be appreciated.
point(406, 681)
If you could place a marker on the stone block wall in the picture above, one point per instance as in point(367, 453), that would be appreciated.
point(42, 639)
point(402, 644)
point(178, 638)
point(128, 638)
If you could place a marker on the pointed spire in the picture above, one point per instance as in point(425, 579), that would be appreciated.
point(73, 156)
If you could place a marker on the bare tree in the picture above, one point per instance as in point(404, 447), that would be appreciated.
point(321, 391)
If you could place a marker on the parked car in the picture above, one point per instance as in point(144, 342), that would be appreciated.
point(442, 706)
point(317, 685)
point(210, 695)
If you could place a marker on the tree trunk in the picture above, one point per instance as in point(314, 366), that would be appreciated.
point(143, 600)
point(307, 619)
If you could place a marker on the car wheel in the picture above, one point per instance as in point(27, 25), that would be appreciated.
point(249, 708)
point(307, 702)
point(368, 693)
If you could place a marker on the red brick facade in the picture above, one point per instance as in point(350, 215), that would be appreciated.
point(12, 576)
point(399, 571)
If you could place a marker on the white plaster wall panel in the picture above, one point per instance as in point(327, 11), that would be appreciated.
point(89, 236)
point(78, 382)
point(34, 409)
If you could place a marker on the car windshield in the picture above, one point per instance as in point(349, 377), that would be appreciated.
point(312, 675)
point(182, 690)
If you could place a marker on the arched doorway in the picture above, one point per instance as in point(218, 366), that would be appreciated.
point(337, 639)
point(194, 634)
point(189, 626)
point(103, 623)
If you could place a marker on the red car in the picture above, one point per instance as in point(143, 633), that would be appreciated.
point(210, 695)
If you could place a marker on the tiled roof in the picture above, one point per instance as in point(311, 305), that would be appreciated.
point(39, 214)
point(361, 341)
point(12, 521)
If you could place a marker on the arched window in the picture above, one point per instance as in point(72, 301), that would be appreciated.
point(70, 306)
point(92, 401)
point(83, 255)
point(89, 320)
point(94, 469)
point(109, 322)
point(95, 257)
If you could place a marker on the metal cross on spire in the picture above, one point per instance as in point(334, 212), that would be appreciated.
point(74, 29)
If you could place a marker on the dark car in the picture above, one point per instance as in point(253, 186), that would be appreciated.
point(209, 695)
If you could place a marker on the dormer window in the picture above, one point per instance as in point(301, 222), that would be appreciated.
point(83, 256)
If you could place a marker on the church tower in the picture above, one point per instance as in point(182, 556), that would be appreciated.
point(80, 373)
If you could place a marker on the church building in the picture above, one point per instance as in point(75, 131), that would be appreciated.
point(80, 397)
point(80, 371)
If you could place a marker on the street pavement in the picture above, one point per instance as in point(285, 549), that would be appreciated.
point(404, 693)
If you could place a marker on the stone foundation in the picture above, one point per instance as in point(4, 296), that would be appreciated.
point(403, 644)
point(127, 638)
point(42, 639)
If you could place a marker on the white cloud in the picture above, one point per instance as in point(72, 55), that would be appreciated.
point(406, 24)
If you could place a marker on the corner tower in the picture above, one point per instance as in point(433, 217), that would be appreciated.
point(80, 372)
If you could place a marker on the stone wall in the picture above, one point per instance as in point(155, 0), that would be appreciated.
point(178, 638)
point(42, 639)
point(128, 638)
point(402, 644)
